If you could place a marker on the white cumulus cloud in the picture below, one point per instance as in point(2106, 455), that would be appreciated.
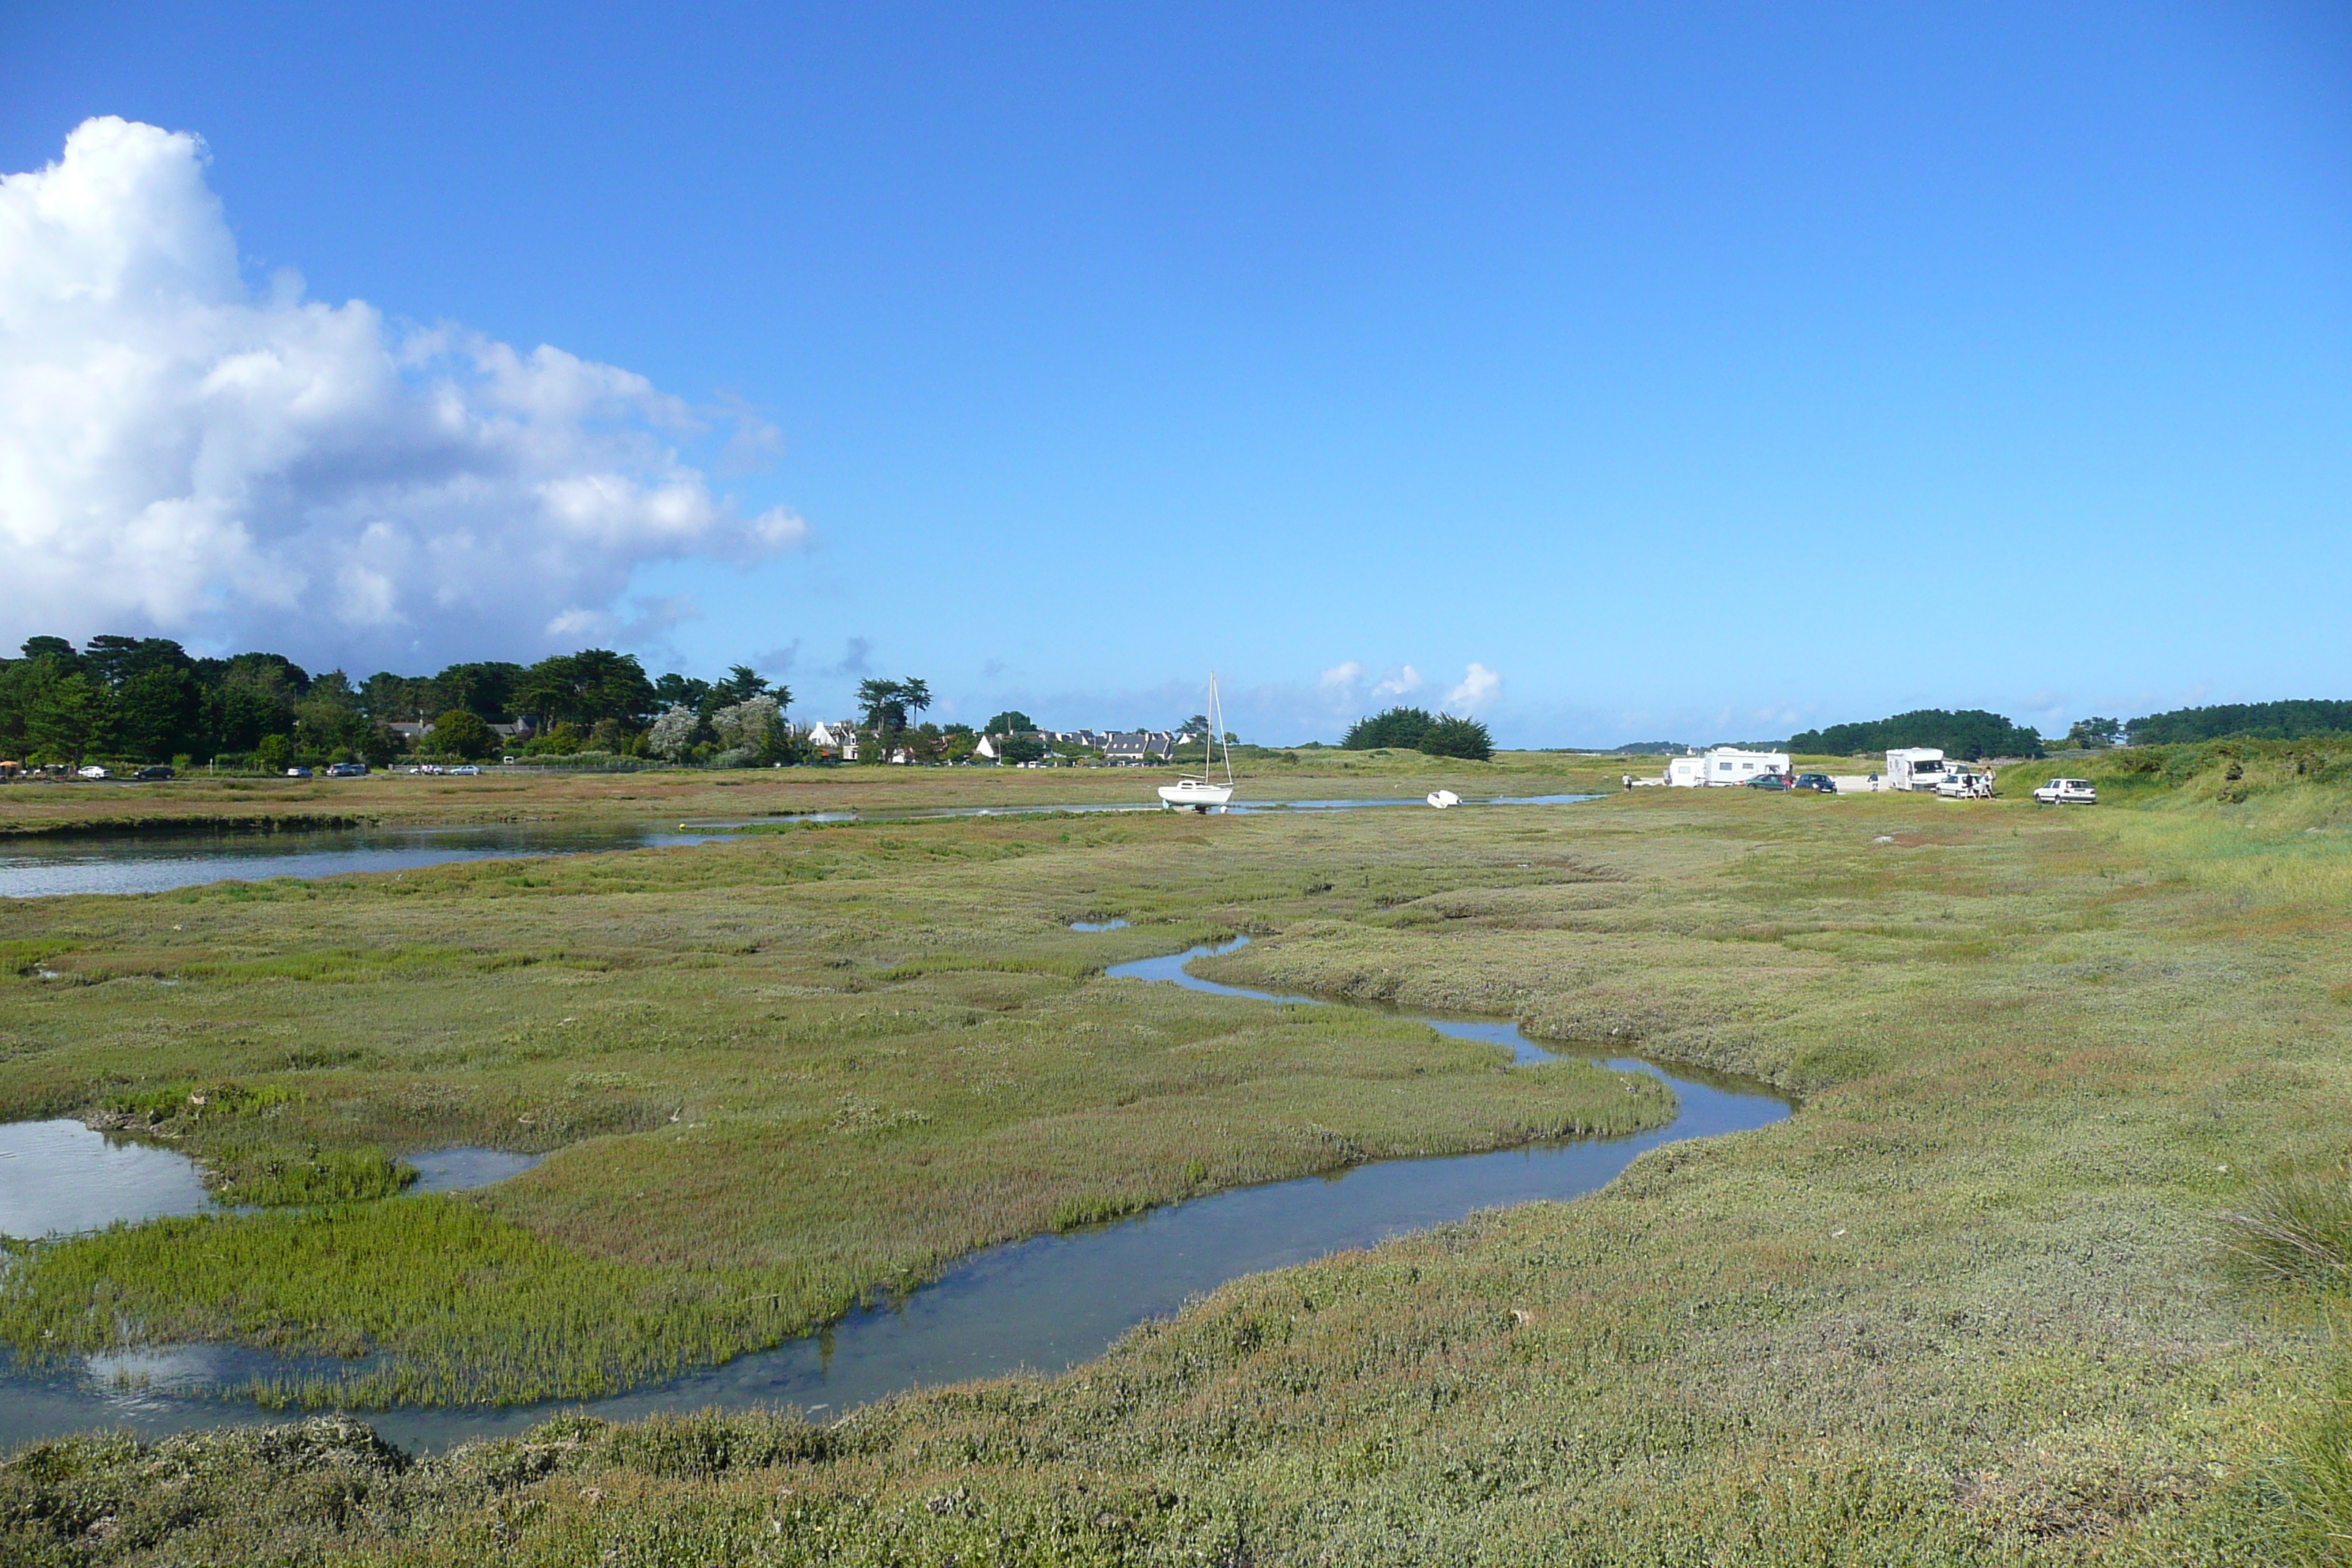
point(1479, 687)
point(184, 455)
point(1401, 681)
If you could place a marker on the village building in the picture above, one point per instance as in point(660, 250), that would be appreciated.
point(837, 738)
point(1135, 746)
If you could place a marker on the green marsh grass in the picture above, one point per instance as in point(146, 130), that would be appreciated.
point(892, 1025)
point(1966, 1307)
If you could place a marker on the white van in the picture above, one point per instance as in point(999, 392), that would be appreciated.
point(1914, 767)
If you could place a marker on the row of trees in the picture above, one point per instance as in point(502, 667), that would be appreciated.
point(147, 699)
point(1975, 733)
point(2252, 721)
point(1970, 733)
point(1419, 730)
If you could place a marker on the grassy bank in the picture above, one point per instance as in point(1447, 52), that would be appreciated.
point(552, 795)
point(1981, 1300)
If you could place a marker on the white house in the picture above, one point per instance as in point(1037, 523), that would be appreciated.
point(1914, 767)
point(839, 737)
point(1725, 765)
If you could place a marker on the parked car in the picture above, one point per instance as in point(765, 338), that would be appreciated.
point(149, 776)
point(1820, 783)
point(1770, 781)
point(1965, 784)
point(469, 769)
point(348, 770)
point(2068, 791)
point(297, 773)
point(92, 772)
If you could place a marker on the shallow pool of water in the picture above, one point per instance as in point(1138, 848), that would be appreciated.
point(42, 867)
point(464, 1169)
point(57, 1177)
point(1045, 1304)
point(60, 1177)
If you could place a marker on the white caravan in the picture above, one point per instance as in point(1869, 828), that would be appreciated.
point(1725, 765)
point(1916, 767)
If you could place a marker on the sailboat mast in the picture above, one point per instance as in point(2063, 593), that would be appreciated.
point(1228, 746)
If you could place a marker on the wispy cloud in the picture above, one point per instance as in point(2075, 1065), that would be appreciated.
point(1341, 678)
point(1480, 687)
point(647, 621)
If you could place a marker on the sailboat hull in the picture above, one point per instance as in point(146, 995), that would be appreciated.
point(1197, 793)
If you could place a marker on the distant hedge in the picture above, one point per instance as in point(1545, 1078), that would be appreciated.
point(1419, 730)
point(2255, 721)
point(1970, 733)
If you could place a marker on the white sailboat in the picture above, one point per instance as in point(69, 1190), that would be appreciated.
point(1204, 791)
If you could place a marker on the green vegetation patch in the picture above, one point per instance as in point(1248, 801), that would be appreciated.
point(894, 1028)
point(432, 1297)
point(1981, 1300)
point(270, 1177)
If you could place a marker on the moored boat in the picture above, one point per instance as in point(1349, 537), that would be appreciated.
point(1201, 794)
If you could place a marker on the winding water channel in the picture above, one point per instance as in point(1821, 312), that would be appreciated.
point(1045, 1304)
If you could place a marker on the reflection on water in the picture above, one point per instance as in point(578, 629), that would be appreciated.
point(460, 1170)
point(37, 867)
point(1043, 1304)
point(1097, 925)
point(58, 1178)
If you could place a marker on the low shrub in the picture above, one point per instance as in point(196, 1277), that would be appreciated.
point(2296, 1229)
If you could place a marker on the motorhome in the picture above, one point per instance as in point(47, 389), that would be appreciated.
point(1914, 767)
point(1724, 765)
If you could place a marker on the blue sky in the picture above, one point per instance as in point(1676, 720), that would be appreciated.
point(1693, 373)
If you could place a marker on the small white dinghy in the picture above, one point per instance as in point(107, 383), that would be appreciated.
point(1202, 793)
point(1441, 798)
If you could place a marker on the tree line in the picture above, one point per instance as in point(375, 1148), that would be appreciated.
point(2293, 720)
point(1419, 730)
point(148, 699)
point(1969, 732)
point(1975, 733)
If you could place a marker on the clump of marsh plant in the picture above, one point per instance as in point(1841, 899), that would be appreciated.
point(2296, 1229)
point(2316, 1476)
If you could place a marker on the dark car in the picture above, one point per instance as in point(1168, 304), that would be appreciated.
point(348, 770)
point(1821, 782)
point(1769, 781)
point(148, 775)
